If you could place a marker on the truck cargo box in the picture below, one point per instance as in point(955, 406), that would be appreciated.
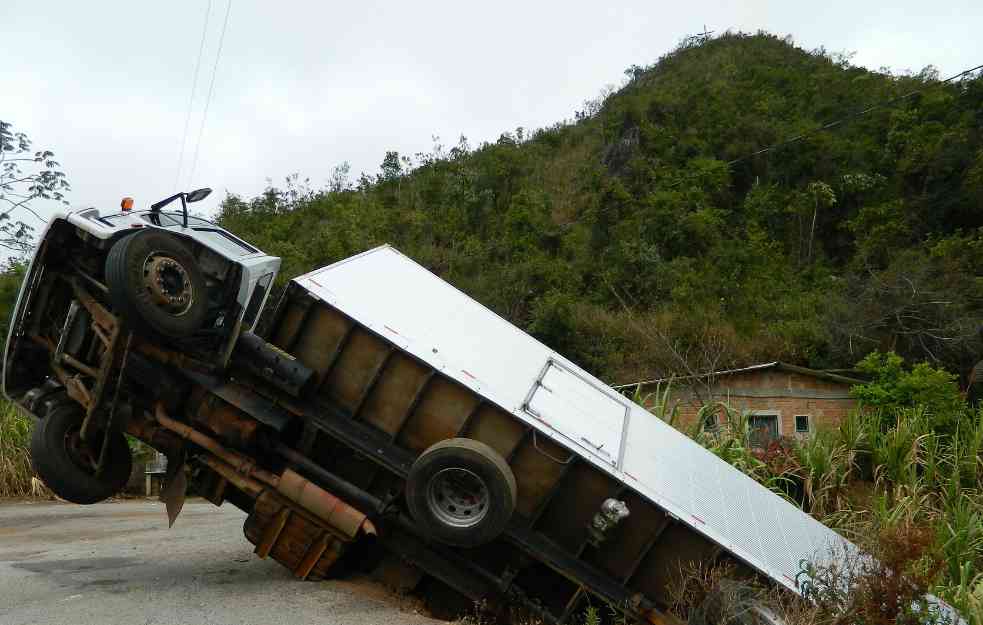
point(407, 354)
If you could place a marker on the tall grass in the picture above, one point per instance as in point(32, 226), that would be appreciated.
point(876, 479)
point(15, 461)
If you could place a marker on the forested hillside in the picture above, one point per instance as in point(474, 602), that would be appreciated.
point(627, 240)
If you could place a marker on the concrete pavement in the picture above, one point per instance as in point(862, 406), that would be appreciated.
point(118, 563)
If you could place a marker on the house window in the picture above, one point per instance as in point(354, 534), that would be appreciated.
point(710, 422)
point(763, 429)
point(802, 424)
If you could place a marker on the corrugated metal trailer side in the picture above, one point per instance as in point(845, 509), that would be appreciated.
point(403, 360)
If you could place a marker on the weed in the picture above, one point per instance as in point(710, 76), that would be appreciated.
point(897, 486)
point(15, 460)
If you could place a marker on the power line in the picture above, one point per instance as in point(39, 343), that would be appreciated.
point(827, 126)
point(191, 100)
point(211, 87)
point(850, 117)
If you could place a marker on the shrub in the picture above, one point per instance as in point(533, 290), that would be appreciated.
point(889, 588)
point(15, 462)
point(893, 386)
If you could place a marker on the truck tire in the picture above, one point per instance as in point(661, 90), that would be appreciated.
point(733, 603)
point(67, 466)
point(974, 388)
point(461, 492)
point(156, 285)
point(36, 399)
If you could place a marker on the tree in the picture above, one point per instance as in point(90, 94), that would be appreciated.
point(338, 181)
point(925, 304)
point(822, 196)
point(817, 252)
point(894, 386)
point(391, 167)
point(25, 176)
point(11, 276)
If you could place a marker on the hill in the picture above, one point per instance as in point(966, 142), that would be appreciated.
point(625, 240)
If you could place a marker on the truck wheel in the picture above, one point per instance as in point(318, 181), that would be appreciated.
point(68, 465)
point(461, 492)
point(156, 285)
point(734, 603)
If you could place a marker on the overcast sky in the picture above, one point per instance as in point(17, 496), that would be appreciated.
point(304, 86)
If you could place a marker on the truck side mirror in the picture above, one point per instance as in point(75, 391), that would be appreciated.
point(198, 194)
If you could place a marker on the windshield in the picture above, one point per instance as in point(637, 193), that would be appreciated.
point(165, 220)
point(205, 230)
point(224, 241)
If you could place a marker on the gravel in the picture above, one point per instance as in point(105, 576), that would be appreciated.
point(119, 563)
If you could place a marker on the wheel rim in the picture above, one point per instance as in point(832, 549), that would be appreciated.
point(168, 283)
point(458, 497)
point(81, 455)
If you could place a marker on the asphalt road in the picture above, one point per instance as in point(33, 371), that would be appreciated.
point(119, 563)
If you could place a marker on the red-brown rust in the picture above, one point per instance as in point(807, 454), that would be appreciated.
point(216, 493)
point(238, 462)
point(227, 422)
point(148, 430)
point(247, 485)
point(172, 358)
point(312, 556)
point(272, 532)
point(102, 318)
point(299, 539)
point(342, 517)
point(323, 504)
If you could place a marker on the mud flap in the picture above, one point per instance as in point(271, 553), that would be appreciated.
point(174, 492)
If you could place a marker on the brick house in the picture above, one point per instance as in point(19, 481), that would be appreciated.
point(783, 399)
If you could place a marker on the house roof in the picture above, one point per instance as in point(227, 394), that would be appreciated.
point(836, 375)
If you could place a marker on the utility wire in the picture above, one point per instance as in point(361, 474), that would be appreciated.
point(809, 133)
point(827, 126)
point(191, 100)
point(851, 117)
point(208, 99)
point(833, 124)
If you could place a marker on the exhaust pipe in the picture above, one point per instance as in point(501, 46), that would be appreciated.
point(332, 510)
point(244, 473)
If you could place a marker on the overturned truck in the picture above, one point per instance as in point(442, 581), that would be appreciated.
point(378, 404)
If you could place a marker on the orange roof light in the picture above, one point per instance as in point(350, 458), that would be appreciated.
point(126, 204)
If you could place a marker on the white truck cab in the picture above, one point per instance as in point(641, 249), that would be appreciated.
point(177, 298)
point(258, 268)
point(110, 307)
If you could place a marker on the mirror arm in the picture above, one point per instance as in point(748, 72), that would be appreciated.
point(155, 207)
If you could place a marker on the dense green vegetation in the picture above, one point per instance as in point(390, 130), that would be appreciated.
point(889, 479)
point(15, 463)
point(625, 240)
point(893, 386)
point(10, 279)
